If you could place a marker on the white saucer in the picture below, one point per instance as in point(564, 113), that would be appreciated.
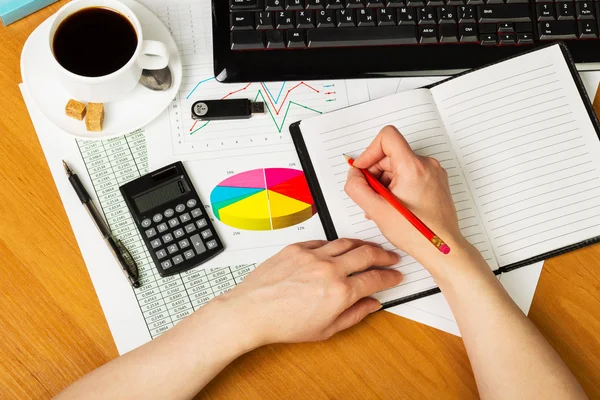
point(139, 108)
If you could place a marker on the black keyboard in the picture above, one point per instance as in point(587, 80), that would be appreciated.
point(301, 39)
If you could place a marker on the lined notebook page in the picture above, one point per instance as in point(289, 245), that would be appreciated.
point(529, 152)
point(350, 131)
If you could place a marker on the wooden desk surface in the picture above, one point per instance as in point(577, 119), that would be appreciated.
point(52, 329)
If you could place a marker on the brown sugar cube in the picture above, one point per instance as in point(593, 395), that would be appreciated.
point(95, 117)
point(75, 109)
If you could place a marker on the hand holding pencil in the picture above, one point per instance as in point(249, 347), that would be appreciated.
point(420, 187)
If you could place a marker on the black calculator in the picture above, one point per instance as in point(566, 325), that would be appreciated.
point(171, 219)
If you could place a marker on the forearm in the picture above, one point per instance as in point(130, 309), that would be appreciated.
point(509, 356)
point(177, 364)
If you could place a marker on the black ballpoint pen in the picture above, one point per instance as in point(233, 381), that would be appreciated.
point(119, 251)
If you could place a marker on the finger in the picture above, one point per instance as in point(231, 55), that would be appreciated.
point(354, 314)
point(363, 195)
point(373, 281)
point(364, 257)
point(340, 246)
point(312, 244)
point(388, 143)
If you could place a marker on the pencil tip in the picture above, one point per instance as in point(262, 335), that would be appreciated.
point(347, 157)
point(66, 167)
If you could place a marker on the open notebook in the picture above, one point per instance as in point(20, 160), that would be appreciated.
point(519, 140)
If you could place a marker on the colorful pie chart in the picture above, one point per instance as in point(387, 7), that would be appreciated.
point(263, 199)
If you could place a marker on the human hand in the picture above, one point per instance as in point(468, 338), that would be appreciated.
point(305, 292)
point(421, 184)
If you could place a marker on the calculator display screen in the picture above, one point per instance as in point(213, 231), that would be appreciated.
point(160, 195)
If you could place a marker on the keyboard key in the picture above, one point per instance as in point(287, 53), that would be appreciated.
point(585, 10)
point(169, 213)
point(295, 39)
point(315, 4)
point(334, 4)
point(161, 254)
point(507, 38)
point(161, 227)
point(184, 243)
point(173, 222)
point(556, 30)
point(486, 28)
point(275, 39)
point(448, 33)
point(157, 218)
point(196, 212)
point(435, 3)
point(447, 15)
point(504, 13)
point(292, 5)
point(189, 254)
point(150, 233)
point(180, 208)
point(406, 16)
point(587, 29)
point(201, 223)
point(467, 14)
point(325, 19)
point(211, 244)
point(524, 38)
point(506, 27)
point(305, 19)
point(274, 5)
point(345, 18)
point(385, 35)
point(385, 16)
point(374, 3)
point(155, 243)
point(146, 223)
point(468, 33)
point(426, 15)
point(565, 11)
point(189, 228)
point(525, 27)
point(545, 12)
point(428, 34)
point(178, 233)
point(475, 2)
point(415, 3)
point(396, 3)
point(488, 39)
point(166, 264)
point(494, 2)
point(177, 259)
point(172, 248)
point(517, 1)
point(243, 4)
point(455, 2)
point(354, 4)
point(184, 218)
point(167, 238)
point(206, 233)
point(242, 21)
point(284, 20)
point(198, 244)
point(365, 17)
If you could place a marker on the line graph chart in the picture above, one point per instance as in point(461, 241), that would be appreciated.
point(285, 102)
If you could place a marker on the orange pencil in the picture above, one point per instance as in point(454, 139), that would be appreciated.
point(406, 213)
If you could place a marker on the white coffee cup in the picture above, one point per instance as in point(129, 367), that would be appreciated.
point(149, 54)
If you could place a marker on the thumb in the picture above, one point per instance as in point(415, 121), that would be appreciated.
point(356, 313)
point(358, 189)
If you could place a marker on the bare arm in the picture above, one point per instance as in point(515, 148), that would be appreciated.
point(509, 356)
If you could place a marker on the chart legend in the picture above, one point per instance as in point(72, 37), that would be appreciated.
point(263, 199)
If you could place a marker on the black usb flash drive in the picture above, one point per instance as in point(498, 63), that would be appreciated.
point(207, 110)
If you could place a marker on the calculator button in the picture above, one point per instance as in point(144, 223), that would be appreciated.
point(169, 213)
point(198, 245)
point(162, 227)
point(155, 243)
point(189, 254)
point(184, 243)
point(157, 218)
point(146, 223)
point(166, 264)
point(178, 233)
point(201, 223)
point(211, 244)
point(196, 212)
point(180, 208)
point(172, 248)
point(177, 260)
point(191, 203)
point(150, 232)
point(161, 254)
point(184, 217)
point(189, 228)
point(173, 222)
point(206, 233)
point(167, 238)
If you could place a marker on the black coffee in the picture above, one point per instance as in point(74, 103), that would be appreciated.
point(94, 42)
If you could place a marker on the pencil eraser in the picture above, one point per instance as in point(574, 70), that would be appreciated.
point(445, 249)
point(14, 10)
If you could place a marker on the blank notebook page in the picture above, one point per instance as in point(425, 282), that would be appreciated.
point(350, 131)
point(529, 152)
